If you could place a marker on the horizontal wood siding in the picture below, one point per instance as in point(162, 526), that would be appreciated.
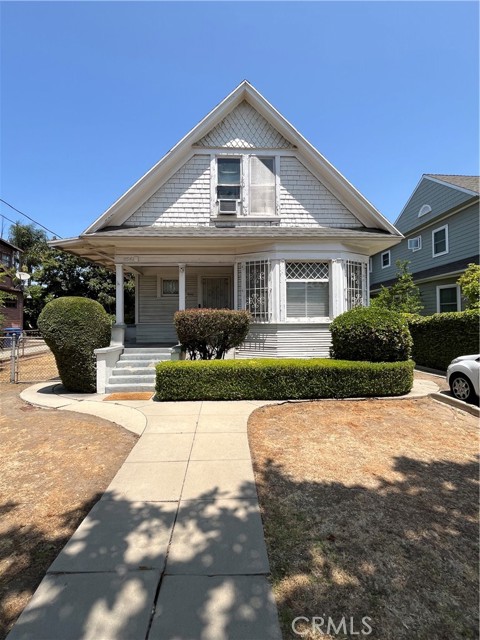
point(428, 292)
point(155, 314)
point(156, 333)
point(286, 341)
point(441, 198)
point(463, 233)
point(305, 201)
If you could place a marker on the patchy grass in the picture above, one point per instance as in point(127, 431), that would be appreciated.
point(370, 508)
point(54, 466)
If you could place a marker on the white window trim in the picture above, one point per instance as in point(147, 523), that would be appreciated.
point(241, 201)
point(449, 286)
point(276, 174)
point(370, 265)
point(419, 238)
point(424, 209)
point(244, 202)
point(447, 248)
point(313, 319)
point(385, 266)
point(160, 293)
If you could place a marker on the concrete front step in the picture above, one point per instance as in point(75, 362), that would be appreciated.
point(164, 350)
point(133, 380)
point(128, 387)
point(134, 371)
point(136, 364)
point(144, 357)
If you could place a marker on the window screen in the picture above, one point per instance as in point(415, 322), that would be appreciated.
point(262, 186)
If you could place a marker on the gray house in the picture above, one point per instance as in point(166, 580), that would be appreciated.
point(440, 223)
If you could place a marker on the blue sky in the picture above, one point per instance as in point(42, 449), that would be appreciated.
point(95, 93)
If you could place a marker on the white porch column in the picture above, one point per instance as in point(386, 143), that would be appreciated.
point(119, 295)
point(181, 287)
point(118, 329)
point(337, 288)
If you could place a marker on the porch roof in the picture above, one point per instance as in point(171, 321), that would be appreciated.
point(102, 246)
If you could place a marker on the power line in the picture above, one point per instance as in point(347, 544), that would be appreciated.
point(27, 216)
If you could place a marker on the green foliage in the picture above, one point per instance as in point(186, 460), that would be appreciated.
point(374, 335)
point(73, 328)
point(208, 334)
point(440, 338)
point(403, 296)
point(56, 273)
point(280, 379)
point(469, 283)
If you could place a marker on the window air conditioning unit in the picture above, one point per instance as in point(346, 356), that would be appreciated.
point(228, 206)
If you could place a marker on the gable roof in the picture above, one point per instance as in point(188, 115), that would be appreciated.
point(333, 180)
point(469, 183)
point(442, 193)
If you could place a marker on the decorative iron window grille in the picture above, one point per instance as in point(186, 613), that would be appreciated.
point(356, 289)
point(257, 289)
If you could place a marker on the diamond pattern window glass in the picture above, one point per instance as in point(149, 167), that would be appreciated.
point(307, 270)
point(307, 289)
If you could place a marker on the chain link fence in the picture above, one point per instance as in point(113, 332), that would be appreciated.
point(24, 357)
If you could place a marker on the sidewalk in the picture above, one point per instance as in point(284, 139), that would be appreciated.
point(175, 547)
point(174, 550)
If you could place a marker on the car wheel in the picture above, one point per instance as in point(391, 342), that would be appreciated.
point(462, 388)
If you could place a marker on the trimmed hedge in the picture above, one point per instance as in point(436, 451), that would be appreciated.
point(369, 334)
point(208, 334)
point(440, 338)
point(73, 327)
point(277, 379)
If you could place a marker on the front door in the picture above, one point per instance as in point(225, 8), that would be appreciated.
point(216, 292)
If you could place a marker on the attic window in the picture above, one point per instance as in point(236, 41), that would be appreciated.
point(262, 186)
point(228, 184)
point(426, 208)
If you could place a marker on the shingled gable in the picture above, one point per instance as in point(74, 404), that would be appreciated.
point(262, 126)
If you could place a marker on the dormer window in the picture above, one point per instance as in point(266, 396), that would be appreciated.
point(228, 185)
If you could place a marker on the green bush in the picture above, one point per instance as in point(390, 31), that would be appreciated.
point(440, 338)
point(208, 334)
point(374, 335)
point(73, 328)
point(280, 379)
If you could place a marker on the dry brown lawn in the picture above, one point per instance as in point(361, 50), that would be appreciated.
point(54, 466)
point(32, 368)
point(370, 508)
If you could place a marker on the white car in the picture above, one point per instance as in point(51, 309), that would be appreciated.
point(463, 376)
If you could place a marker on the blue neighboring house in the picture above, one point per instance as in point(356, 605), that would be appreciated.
point(441, 225)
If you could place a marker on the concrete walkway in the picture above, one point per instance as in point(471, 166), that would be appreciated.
point(174, 549)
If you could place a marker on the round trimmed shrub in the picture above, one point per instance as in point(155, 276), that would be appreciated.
point(73, 327)
point(374, 335)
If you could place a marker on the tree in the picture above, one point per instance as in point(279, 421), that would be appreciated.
point(469, 283)
point(56, 274)
point(403, 296)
